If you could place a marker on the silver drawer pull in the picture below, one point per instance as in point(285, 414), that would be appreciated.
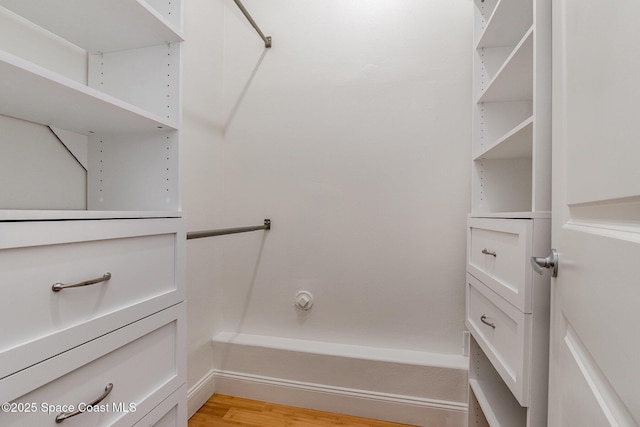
point(483, 319)
point(64, 415)
point(486, 252)
point(57, 287)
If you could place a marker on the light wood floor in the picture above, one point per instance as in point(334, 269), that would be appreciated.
point(227, 411)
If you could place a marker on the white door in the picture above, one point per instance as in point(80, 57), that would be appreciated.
point(595, 320)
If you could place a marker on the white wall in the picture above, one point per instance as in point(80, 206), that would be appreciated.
point(352, 134)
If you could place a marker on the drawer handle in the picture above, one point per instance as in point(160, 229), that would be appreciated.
point(64, 415)
point(57, 287)
point(483, 319)
point(486, 252)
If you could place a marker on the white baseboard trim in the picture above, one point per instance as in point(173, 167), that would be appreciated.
point(345, 392)
point(199, 393)
point(383, 406)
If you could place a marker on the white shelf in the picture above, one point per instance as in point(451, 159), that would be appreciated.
point(54, 215)
point(514, 80)
point(498, 404)
point(508, 22)
point(99, 25)
point(32, 93)
point(511, 215)
point(517, 143)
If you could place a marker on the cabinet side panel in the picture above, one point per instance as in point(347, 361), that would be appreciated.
point(476, 416)
point(542, 107)
point(148, 78)
point(483, 11)
point(171, 10)
point(133, 172)
point(502, 185)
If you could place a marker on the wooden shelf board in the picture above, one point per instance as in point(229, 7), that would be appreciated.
point(98, 25)
point(517, 143)
point(514, 80)
point(32, 93)
point(507, 24)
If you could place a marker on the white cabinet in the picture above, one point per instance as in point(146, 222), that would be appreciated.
point(63, 347)
point(128, 105)
point(507, 310)
point(503, 332)
point(134, 368)
point(118, 254)
point(497, 254)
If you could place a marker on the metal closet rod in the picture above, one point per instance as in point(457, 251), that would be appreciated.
point(223, 231)
point(267, 39)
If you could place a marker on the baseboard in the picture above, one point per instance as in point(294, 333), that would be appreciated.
point(363, 403)
point(200, 393)
point(410, 387)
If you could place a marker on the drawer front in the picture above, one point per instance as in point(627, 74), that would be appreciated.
point(498, 254)
point(172, 412)
point(45, 323)
point(141, 363)
point(504, 334)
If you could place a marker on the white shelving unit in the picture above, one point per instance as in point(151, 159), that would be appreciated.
point(507, 303)
point(125, 322)
point(130, 101)
point(512, 108)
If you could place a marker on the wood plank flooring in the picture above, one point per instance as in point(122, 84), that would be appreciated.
point(227, 411)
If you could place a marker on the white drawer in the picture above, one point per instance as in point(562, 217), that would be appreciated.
point(498, 253)
point(172, 412)
point(504, 334)
point(140, 361)
point(44, 323)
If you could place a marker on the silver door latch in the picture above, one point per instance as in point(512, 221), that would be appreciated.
point(550, 262)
